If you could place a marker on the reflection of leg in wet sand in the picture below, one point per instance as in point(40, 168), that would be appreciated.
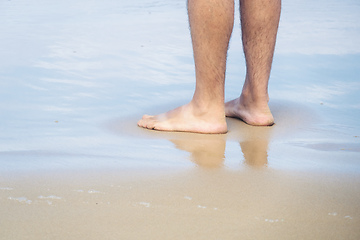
point(254, 145)
point(209, 152)
point(211, 24)
point(255, 152)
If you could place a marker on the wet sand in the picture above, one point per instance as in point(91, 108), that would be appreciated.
point(188, 204)
point(75, 78)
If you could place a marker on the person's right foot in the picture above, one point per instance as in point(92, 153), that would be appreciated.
point(250, 113)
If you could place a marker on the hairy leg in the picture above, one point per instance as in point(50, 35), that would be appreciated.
point(211, 24)
point(259, 23)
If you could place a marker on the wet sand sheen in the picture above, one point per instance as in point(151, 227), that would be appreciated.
point(208, 150)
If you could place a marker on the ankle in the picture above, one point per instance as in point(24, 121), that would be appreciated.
point(208, 110)
point(207, 104)
point(254, 97)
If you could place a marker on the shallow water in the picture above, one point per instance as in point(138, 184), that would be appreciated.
point(76, 76)
point(67, 69)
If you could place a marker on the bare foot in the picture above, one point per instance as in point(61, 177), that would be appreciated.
point(249, 112)
point(186, 118)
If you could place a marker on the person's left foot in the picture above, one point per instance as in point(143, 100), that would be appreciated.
point(186, 118)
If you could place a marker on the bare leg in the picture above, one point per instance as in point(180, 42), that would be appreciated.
point(211, 24)
point(259, 23)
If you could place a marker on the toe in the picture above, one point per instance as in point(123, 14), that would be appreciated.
point(140, 123)
point(148, 123)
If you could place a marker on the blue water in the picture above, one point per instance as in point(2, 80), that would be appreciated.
point(68, 68)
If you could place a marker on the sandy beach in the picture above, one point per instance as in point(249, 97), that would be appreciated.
point(76, 76)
